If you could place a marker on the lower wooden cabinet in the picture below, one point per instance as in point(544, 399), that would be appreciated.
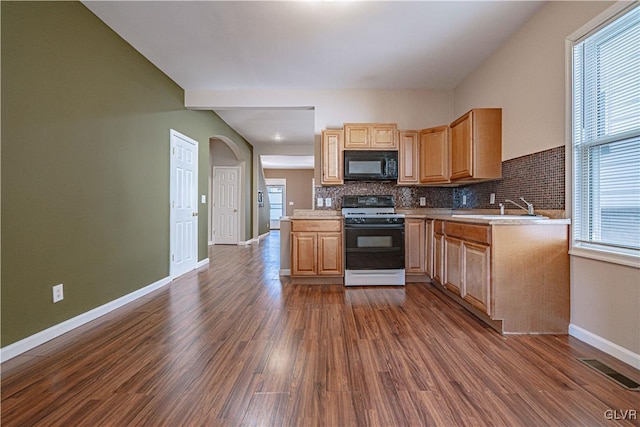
point(476, 260)
point(467, 264)
point(453, 265)
point(414, 243)
point(316, 248)
point(438, 252)
point(304, 254)
point(515, 277)
point(428, 248)
point(330, 254)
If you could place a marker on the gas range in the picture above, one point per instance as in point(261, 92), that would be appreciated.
point(374, 241)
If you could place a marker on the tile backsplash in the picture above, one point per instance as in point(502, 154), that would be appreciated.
point(538, 177)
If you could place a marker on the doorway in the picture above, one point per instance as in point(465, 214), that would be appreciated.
point(226, 183)
point(277, 195)
point(183, 216)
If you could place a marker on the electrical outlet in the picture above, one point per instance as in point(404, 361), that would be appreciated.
point(320, 202)
point(58, 293)
point(464, 200)
point(423, 201)
point(492, 198)
point(327, 202)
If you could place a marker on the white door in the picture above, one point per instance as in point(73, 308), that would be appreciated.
point(225, 206)
point(184, 204)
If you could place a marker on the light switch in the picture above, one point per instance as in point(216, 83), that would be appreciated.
point(320, 202)
point(327, 202)
point(492, 198)
point(423, 201)
point(203, 199)
point(290, 203)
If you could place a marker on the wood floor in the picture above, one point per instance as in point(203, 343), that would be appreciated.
point(233, 344)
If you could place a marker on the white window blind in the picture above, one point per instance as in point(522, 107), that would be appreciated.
point(606, 137)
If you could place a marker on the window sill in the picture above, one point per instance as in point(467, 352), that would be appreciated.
point(628, 260)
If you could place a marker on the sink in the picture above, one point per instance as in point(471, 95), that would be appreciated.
point(518, 217)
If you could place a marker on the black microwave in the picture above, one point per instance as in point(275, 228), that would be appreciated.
point(369, 165)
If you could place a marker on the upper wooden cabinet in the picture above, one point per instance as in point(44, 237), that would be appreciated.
point(476, 145)
point(370, 136)
point(332, 157)
point(408, 160)
point(434, 155)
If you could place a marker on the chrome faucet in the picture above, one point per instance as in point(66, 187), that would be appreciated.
point(529, 207)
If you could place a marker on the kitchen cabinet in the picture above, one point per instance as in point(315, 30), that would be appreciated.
point(370, 136)
point(428, 248)
point(476, 146)
point(438, 252)
point(476, 258)
point(408, 157)
point(332, 157)
point(316, 248)
point(467, 261)
point(453, 265)
point(434, 155)
point(513, 276)
point(414, 241)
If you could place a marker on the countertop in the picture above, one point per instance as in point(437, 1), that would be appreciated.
point(315, 214)
point(554, 217)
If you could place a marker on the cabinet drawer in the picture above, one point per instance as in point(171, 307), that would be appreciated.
point(476, 233)
point(316, 225)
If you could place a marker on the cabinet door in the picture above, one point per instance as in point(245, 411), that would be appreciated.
point(438, 258)
point(384, 136)
point(332, 159)
point(330, 254)
point(476, 261)
point(453, 264)
point(428, 245)
point(408, 157)
point(304, 254)
point(414, 245)
point(356, 136)
point(462, 147)
point(434, 155)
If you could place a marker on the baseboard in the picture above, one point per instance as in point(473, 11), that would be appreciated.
point(202, 263)
point(26, 344)
point(285, 272)
point(263, 236)
point(612, 349)
point(248, 242)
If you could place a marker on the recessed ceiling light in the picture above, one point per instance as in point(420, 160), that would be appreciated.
point(277, 137)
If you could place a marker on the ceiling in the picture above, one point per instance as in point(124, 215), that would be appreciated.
point(311, 45)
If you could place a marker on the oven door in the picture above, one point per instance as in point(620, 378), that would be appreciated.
point(374, 246)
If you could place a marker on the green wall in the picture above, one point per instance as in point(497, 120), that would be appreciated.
point(85, 165)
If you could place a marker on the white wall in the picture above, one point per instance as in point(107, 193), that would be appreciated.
point(526, 77)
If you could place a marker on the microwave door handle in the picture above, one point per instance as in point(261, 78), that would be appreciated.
point(384, 167)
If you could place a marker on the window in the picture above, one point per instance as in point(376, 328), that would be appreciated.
point(606, 138)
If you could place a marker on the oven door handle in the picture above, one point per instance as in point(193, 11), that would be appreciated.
point(378, 226)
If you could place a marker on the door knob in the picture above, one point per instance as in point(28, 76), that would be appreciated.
point(194, 214)
point(235, 210)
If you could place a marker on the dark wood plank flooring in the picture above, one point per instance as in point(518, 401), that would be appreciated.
point(234, 344)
